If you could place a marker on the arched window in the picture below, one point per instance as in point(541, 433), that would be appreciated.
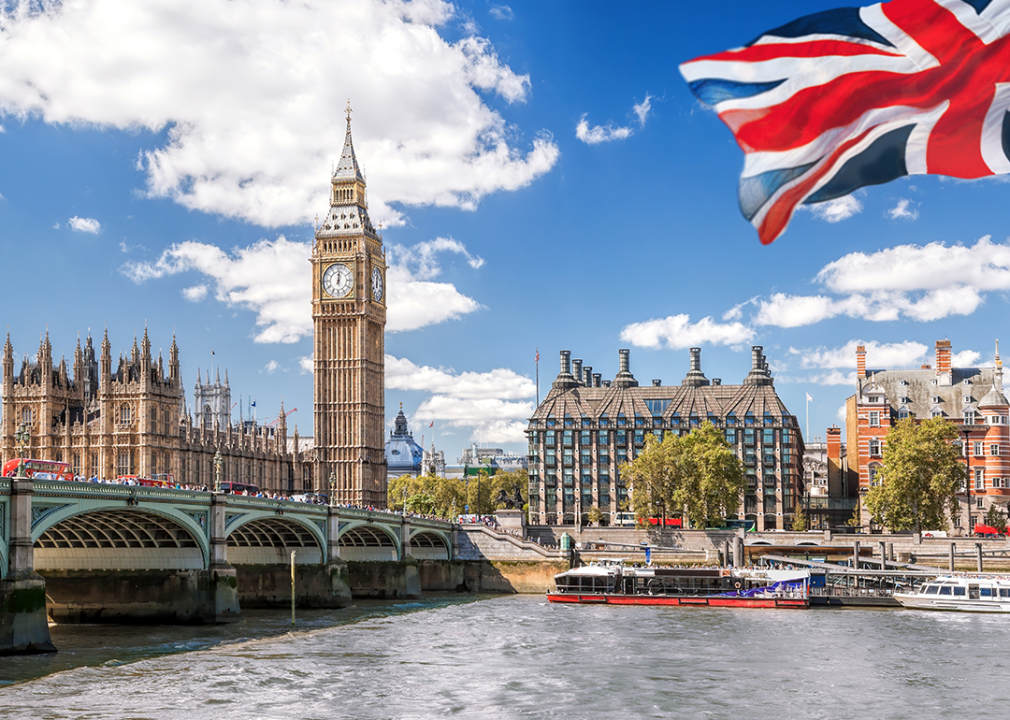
point(125, 416)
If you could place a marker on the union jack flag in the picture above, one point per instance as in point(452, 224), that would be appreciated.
point(852, 97)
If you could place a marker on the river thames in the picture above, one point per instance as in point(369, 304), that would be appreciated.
point(518, 657)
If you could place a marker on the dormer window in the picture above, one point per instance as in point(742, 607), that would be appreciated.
point(966, 381)
point(936, 399)
point(933, 381)
point(874, 398)
point(967, 399)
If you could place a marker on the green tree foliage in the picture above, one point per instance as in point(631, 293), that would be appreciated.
point(799, 521)
point(857, 518)
point(697, 476)
point(449, 497)
point(919, 478)
point(996, 519)
point(595, 515)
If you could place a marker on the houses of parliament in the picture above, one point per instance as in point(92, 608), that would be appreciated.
point(131, 417)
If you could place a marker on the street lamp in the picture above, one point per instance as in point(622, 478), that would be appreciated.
point(333, 488)
point(967, 472)
point(22, 437)
point(218, 464)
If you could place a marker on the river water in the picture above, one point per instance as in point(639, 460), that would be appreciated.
point(518, 657)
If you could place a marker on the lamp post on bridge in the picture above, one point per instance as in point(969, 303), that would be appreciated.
point(967, 472)
point(333, 488)
point(218, 464)
point(22, 437)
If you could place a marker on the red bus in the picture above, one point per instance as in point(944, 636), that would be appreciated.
point(670, 522)
point(39, 469)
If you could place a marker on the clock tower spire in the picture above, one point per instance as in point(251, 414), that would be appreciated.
point(349, 320)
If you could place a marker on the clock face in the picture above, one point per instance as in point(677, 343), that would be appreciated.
point(337, 280)
point(377, 284)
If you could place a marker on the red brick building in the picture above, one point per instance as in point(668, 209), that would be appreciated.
point(972, 398)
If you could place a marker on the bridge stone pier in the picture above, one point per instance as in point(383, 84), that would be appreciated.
point(92, 552)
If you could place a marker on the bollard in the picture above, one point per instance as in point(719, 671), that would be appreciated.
point(883, 555)
point(726, 555)
point(952, 546)
point(890, 551)
point(978, 550)
point(855, 555)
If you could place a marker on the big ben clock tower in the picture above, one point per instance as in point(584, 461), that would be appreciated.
point(349, 319)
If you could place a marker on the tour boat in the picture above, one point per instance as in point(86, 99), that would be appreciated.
point(965, 593)
point(614, 583)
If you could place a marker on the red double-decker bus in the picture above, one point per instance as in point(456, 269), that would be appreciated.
point(39, 469)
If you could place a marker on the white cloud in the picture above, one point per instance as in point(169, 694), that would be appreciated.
point(272, 278)
point(965, 359)
point(306, 364)
point(502, 383)
point(841, 414)
point(182, 67)
point(878, 355)
point(677, 331)
point(836, 210)
point(600, 134)
point(84, 225)
point(195, 293)
point(642, 110)
point(834, 377)
point(56, 226)
point(904, 210)
point(495, 404)
point(271, 367)
point(502, 12)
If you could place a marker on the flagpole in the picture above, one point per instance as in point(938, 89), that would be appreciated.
point(538, 377)
point(808, 418)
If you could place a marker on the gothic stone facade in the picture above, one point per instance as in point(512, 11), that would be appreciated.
point(587, 427)
point(132, 421)
point(972, 398)
point(349, 320)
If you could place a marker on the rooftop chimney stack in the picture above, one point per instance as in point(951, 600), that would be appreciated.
point(759, 374)
point(577, 371)
point(624, 378)
point(565, 379)
point(943, 362)
point(860, 362)
point(695, 377)
point(597, 379)
point(587, 375)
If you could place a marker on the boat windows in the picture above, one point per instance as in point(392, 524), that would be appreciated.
point(960, 591)
point(985, 592)
point(945, 590)
point(1004, 592)
point(930, 590)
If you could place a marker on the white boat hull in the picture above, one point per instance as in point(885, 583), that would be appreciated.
point(931, 602)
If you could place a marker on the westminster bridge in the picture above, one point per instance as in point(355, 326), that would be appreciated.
point(93, 552)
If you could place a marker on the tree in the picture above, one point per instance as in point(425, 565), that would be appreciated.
point(714, 475)
point(995, 519)
point(857, 519)
point(698, 476)
point(595, 515)
point(427, 495)
point(799, 521)
point(919, 477)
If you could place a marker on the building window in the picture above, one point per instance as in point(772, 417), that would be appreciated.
point(969, 417)
point(994, 449)
point(875, 419)
point(731, 437)
point(979, 479)
point(874, 481)
point(874, 447)
point(568, 438)
point(601, 437)
point(549, 439)
point(27, 416)
point(769, 437)
point(731, 419)
point(124, 417)
point(585, 438)
point(980, 502)
point(748, 436)
point(978, 449)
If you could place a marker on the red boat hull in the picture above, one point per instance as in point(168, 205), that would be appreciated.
point(699, 601)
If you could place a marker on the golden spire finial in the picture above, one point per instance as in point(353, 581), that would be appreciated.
point(349, 114)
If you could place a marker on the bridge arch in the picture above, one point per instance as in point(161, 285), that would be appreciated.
point(428, 545)
point(368, 542)
point(117, 538)
point(270, 539)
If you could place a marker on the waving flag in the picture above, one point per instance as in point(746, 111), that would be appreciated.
point(852, 97)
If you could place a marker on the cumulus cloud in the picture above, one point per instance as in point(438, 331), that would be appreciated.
point(501, 12)
point(180, 68)
point(272, 278)
point(904, 210)
point(836, 210)
point(195, 293)
point(965, 358)
point(878, 355)
point(600, 133)
point(922, 283)
point(306, 365)
point(84, 225)
point(677, 331)
point(495, 403)
point(271, 367)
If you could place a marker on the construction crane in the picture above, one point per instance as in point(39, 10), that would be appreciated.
point(277, 419)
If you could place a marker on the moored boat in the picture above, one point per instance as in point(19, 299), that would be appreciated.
point(961, 593)
point(613, 583)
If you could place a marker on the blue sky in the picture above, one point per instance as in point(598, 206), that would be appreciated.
point(543, 176)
